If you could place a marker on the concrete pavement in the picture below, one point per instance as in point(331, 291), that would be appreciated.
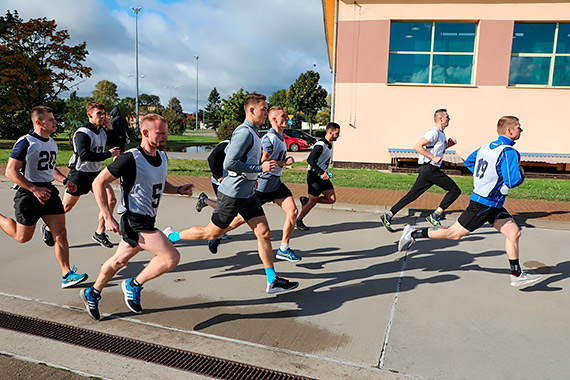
point(444, 310)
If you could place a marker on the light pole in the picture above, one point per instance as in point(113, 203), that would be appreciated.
point(136, 10)
point(196, 90)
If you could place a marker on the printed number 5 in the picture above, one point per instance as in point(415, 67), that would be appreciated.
point(156, 193)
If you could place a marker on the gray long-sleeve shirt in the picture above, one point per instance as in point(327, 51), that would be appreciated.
point(240, 148)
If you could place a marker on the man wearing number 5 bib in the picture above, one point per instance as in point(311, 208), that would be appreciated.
point(496, 169)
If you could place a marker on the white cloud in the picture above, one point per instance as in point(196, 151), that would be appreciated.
point(257, 45)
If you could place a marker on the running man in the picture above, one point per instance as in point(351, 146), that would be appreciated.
point(496, 169)
point(88, 144)
point(31, 167)
point(318, 175)
point(236, 194)
point(216, 163)
point(269, 185)
point(142, 171)
point(431, 148)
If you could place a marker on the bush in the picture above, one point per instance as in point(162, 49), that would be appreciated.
point(224, 132)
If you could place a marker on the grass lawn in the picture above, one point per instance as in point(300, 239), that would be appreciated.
point(557, 190)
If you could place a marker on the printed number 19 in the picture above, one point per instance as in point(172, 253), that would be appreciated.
point(481, 168)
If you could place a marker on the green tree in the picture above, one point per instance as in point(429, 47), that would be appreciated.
point(324, 115)
point(127, 106)
point(36, 65)
point(211, 112)
point(75, 114)
point(175, 117)
point(306, 95)
point(150, 103)
point(226, 129)
point(106, 92)
point(232, 107)
point(278, 99)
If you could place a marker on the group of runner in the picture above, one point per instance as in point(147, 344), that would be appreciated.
point(249, 177)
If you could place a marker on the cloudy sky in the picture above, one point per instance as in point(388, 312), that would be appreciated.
point(257, 45)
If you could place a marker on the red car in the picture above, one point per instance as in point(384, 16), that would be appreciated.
point(293, 144)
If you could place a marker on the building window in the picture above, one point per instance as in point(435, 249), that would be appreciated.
point(540, 55)
point(432, 52)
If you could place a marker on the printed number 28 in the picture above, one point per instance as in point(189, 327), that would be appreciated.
point(481, 168)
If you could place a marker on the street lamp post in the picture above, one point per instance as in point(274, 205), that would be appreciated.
point(136, 10)
point(196, 90)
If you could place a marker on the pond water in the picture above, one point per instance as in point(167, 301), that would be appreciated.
point(199, 148)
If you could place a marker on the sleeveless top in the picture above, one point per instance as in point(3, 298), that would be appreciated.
point(486, 178)
point(39, 162)
point(324, 159)
point(98, 142)
point(143, 198)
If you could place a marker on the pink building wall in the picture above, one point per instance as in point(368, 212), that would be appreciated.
point(375, 116)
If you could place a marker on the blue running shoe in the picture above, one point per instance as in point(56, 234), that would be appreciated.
point(288, 255)
point(91, 303)
point(213, 245)
point(132, 295)
point(73, 278)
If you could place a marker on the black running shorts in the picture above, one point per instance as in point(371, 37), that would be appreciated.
point(132, 224)
point(281, 192)
point(83, 181)
point(317, 185)
point(28, 208)
point(228, 208)
point(478, 214)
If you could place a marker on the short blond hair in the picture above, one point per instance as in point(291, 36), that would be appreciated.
point(149, 119)
point(506, 122)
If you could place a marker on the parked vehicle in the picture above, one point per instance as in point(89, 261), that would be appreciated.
point(293, 144)
point(296, 133)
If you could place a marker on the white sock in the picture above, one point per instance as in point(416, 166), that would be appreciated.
point(284, 247)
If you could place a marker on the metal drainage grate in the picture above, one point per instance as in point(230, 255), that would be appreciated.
point(153, 353)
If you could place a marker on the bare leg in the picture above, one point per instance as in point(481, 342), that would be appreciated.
point(512, 232)
point(210, 232)
point(166, 256)
point(288, 205)
point(455, 232)
point(56, 224)
point(110, 267)
point(328, 197)
point(17, 231)
point(261, 230)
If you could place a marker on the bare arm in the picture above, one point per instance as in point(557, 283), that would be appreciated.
point(103, 179)
point(182, 189)
point(419, 147)
point(13, 173)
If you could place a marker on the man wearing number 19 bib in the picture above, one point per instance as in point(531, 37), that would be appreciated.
point(496, 169)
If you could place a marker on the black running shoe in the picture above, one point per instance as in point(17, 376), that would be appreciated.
point(47, 237)
point(301, 226)
point(213, 245)
point(281, 285)
point(102, 239)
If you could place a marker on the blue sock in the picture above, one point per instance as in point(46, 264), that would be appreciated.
point(270, 273)
point(174, 237)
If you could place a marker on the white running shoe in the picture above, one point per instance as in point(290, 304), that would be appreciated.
point(406, 240)
point(524, 279)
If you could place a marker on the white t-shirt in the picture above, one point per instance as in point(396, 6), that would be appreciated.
point(436, 146)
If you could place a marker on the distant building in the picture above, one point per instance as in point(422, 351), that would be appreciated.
point(396, 62)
